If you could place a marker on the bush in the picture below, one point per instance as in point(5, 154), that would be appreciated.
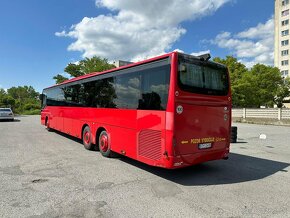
point(32, 112)
point(31, 106)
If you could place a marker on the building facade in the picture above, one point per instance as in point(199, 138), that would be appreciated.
point(282, 36)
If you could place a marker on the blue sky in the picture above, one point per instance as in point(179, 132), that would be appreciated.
point(39, 38)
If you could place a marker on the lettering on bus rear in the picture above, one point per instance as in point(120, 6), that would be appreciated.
point(203, 140)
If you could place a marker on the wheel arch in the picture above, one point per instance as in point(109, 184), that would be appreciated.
point(98, 132)
point(83, 127)
point(46, 119)
point(93, 135)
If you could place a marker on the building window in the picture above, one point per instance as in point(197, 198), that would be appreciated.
point(284, 63)
point(285, 22)
point(285, 32)
point(285, 42)
point(285, 52)
point(285, 2)
point(284, 73)
point(285, 13)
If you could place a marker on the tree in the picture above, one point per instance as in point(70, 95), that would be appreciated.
point(2, 92)
point(283, 92)
point(59, 79)
point(7, 101)
point(236, 70)
point(266, 80)
point(86, 66)
point(21, 96)
point(260, 86)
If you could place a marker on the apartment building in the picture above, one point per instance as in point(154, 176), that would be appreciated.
point(282, 36)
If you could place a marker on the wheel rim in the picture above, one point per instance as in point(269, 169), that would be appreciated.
point(104, 144)
point(87, 137)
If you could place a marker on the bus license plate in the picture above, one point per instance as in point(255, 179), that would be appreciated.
point(205, 145)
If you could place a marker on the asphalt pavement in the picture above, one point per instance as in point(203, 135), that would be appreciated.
point(48, 174)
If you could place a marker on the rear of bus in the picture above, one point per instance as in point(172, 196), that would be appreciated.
point(202, 117)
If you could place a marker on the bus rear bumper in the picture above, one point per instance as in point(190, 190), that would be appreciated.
point(193, 159)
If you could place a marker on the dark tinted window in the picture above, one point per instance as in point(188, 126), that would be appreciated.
point(154, 88)
point(128, 90)
point(72, 95)
point(5, 109)
point(99, 93)
point(145, 90)
point(55, 97)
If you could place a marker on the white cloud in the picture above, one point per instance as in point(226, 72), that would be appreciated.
point(254, 45)
point(138, 29)
point(179, 50)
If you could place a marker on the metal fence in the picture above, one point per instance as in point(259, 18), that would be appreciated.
point(269, 113)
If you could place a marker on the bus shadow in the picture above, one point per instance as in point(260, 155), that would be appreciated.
point(239, 168)
point(75, 139)
point(66, 136)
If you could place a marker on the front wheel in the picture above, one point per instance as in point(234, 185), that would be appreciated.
point(104, 144)
point(87, 138)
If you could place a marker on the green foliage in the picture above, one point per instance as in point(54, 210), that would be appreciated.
point(236, 70)
point(21, 99)
point(59, 79)
point(283, 92)
point(86, 66)
point(32, 112)
point(265, 82)
point(260, 86)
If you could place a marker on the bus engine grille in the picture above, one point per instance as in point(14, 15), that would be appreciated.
point(150, 144)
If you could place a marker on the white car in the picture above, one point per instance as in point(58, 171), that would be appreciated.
point(6, 114)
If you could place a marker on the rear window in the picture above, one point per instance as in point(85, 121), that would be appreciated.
point(202, 77)
point(5, 109)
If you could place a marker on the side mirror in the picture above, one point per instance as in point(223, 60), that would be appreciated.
point(41, 97)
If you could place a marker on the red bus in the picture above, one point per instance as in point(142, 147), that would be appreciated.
point(170, 111)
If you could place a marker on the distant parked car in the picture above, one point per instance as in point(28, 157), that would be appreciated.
point(6, 114)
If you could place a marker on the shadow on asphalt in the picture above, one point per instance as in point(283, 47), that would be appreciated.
point(69, 137)
point(240, 142)
point(15, 120)
point(238, 168)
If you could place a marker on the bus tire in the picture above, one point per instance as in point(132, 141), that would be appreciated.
point(104, 144)
point(87, 138)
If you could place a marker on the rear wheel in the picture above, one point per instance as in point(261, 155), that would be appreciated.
point(87, 138)
point(104, 144)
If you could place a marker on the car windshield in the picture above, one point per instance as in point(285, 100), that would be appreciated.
point(5, 110)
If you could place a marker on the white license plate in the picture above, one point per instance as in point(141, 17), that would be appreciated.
point(205, 145)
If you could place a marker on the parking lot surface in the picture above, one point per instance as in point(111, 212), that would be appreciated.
point(48, 174)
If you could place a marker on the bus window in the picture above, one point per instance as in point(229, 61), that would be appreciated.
point(155, 84)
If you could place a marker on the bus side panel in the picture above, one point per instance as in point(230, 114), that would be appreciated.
point(123, 141)
point(151, 137)
point(53, 117)
point(121, 127)
point(68, 120)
